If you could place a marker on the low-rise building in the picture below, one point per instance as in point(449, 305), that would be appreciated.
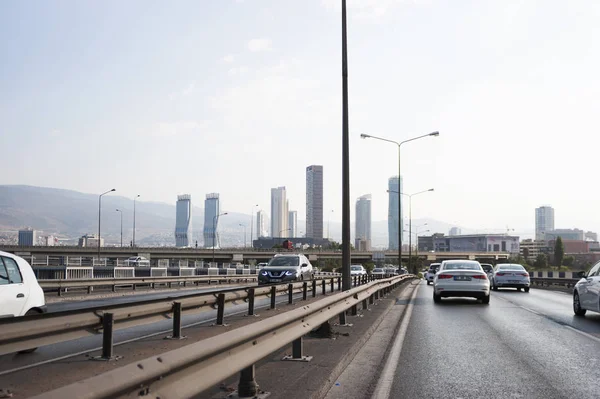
point(90, 240)
point(476, 243)
point(530, 249)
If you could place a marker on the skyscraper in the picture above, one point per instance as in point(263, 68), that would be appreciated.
point(544, 221)
point(394, 189)
point(279, 212)
point(261, 224)
point(362, 230)
point(293, 223)
point(314, 201)
point(183, 221)
point(211, 210)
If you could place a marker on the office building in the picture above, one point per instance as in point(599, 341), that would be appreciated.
point(90, 240)
point(476, 243)
point(28, 238)
point(394, 187)
point(279, 213)
point(293, 223)
point(261, 224)
point(362, 228)
point(591, 236)
point(454, 231)
point(183, 221)
point(565, 234)
point(544, 222)
point(314, 201)
point(211, 210)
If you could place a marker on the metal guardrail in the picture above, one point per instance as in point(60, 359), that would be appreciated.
point(38, 330)
point(192, 369)
point(564, 283)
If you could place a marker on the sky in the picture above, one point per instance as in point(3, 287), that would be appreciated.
point(239, 96)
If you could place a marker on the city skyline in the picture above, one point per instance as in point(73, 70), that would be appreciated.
point(485, 74)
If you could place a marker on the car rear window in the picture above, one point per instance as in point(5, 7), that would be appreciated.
point(462, 266)
point(377, 270)
point(355, 268)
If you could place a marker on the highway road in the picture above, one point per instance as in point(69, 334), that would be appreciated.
point(523, 345)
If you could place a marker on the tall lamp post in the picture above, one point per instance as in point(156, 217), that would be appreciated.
point(121, 212)
point(244, 226)
point(215, 218)
point(100, 217)
point(399, 144)
point(251, 226)
point(133, 241)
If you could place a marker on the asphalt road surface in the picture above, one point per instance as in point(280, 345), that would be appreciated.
point(522, 345)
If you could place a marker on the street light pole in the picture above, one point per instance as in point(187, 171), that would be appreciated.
point(346, 278)
point(399, 144)
point(121, 212)
point(244, 226)
point(133, 241)
point(215, 218)
point(251, 226)
point(100, 217)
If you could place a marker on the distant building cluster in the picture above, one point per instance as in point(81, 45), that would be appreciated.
point(438, 242)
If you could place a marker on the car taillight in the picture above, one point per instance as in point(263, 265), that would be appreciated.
point(445, 276)
point(524, 274)
point(480, 277)
point(499, 274)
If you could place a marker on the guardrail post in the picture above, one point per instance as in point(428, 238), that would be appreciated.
point(364, 304)
point(377, 295)
point(107, 339)
point(220, 309)
point(273, 293)
point(314, 288)
point(339, 281)
point(323, 286)
point(343, 318)
point(304, 290)
point(251, 302)
point(297, 352)
point(247, 387)
point(332, 283)
point(354, 310)
point(176, 322)
point(371, 299)
point(290, 294)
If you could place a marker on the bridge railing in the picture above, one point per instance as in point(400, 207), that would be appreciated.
point(191, 370)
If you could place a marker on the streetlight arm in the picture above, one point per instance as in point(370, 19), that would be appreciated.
point(418, 137)
point(368, 136)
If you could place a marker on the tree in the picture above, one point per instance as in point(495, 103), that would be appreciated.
point(541, 261)
point(559, 252)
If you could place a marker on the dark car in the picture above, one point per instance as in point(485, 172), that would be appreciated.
point(286, 268)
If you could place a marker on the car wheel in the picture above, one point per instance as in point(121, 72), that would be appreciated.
point(437, 298)
point(485, 300)
point(526, 289)
point(29, 313)
point(579, 311)
point(495, 287)
point(428, 282)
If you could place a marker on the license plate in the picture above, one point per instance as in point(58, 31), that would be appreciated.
point(513, 281)
point(462, 278)
point(274, 280)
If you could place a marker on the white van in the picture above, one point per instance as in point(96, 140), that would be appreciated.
point(20, 293)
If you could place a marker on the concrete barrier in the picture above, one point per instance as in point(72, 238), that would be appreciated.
point(158, 272)
point(231, 271)
point(213, 271)
point(187, 271)
point(124, 272)
point(72, 273)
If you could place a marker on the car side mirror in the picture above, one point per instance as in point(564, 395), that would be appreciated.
point(581, 274)
point(304, 265)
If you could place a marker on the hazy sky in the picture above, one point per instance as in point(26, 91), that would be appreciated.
point(163, 98)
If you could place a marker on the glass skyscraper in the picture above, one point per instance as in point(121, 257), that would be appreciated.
point(314, 201)
point(211, 210)
point(183, 221)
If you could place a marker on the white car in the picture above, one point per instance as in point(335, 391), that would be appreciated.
point(586, 294)
point(509, 275)
point(138, 261)
point(433, 269)
point(378, 272)
point(20, 293)
point(357, 270)
point(461, 278)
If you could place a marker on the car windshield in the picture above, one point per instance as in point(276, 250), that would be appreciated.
point(511, 267)
point(377, 270)
point(355, 268)
point(434, 268)
point(285, 261)
point(462, 266)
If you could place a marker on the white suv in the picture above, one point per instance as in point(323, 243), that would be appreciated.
point(357, 270)
point(586, 295)
point(20, 293)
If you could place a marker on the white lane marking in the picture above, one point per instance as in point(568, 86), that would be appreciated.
point(384, 385)
point(590, 336)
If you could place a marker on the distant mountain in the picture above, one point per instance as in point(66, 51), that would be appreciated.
point(70, 214)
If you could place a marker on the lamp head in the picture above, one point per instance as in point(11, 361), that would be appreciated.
point(113, 190)
point(435, 134)
point(364, 136)
point(431, 189)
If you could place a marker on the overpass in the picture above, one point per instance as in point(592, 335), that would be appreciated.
point(58, 255)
